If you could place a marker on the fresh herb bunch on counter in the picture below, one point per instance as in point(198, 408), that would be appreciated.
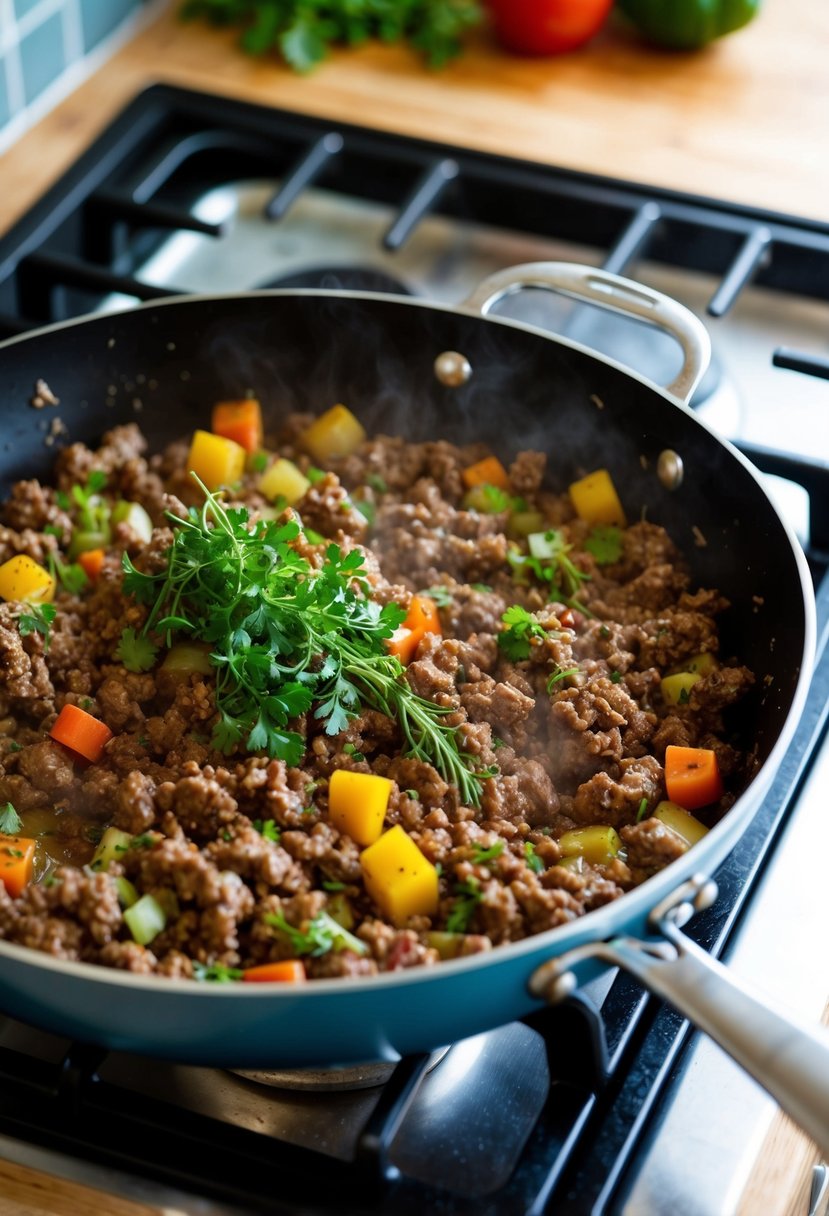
point(302, 31)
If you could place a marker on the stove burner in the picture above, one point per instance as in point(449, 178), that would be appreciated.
point(357, 1076)
point(342, 278)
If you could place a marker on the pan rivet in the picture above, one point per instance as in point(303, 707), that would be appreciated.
point(670, 469)
point(452, 369)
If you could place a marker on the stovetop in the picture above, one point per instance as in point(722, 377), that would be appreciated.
point(186, 192)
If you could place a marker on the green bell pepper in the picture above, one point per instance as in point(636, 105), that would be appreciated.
point(687, 24)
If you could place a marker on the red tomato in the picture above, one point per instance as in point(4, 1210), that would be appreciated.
point(547, 27)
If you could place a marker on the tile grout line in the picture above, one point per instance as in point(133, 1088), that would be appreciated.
point(72, 31)
point(15, 92)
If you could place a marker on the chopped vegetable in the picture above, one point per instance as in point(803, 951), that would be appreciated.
point(596, 501)
point(283, 480)
point(677, 689)
point(357, 804)
point(17, 855)
point(91, 561)
point(403, 643)
point(548, 27)
point(135, 517)
point(79, 731)
point(21, 578)
point(679, 821)
point(597, 844)
point(550, 563)
point(423, 616)
point(338, 907)
point(486, 499)
point(268, 829)
point(288, 971)
point(10, 821)
point(521, 633)
point(605, 543)
point(522, 523)
point(215, 461)
point(240, 421)
point(532, 859)
point(112, 846)
point(322, 934)
point(335, 433)
point(400, 880)
point(216, 973)
point(127, 894)
point(145, 919)
point(448, 945)
point(468, 895)
point(692, 776)
point(700, 664)
point(487, 472)
point(481, 855)
point(688, 24)
point(441, 595)
point(38, 620)
point(188, 658)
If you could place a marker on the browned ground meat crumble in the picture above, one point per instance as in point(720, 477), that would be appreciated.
point(587, 752)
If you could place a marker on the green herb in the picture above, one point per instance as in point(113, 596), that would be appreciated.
point(441, 595)
point(643, 810)
point(10, 821)
point(63, 500)
point(684, 696)
point(37, 619)
point(521, 628)
point(301, 31)
point(604, 632)
point(484, 588)
point(259, 462)
point(323, 934)
point(314, 538)
point(377, 483)
point(438, 868)
point(286, 636)
point(560, 674)
point(351, 750)
point(143, 741)
point(10, 852)
point(227, 835)
point(413, 794)
point(71, 576)
point(605, 543)
point(480, 855)
point(549, 561)
point(615, 677)
point(216, 973)
point(92, 513)
point(144, 841)
point(14, 746)
point(367, 510)
point(50, 880)
point(330, 885)
point(469, 895)
point(53, 530)
point(93, 833)
point(532, 859)
point(268, 829)
point(86, 703)
point(496, 499)
point(497, 742)
point(314, 474)
point(136, 652)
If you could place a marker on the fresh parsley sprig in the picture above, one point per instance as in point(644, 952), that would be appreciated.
point(286, 637)
point(38, 619)
point(10, 821)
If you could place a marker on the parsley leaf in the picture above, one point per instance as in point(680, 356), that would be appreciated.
point(549, 562)
point(532, 859)
point(480, 855)
point(216, 973)
point(377, 483)
point(136, 653)
point(268, 829)
point(469, 895)
point(37, 620)
point(521, 628)
point(322, 935)
point(10, 821)
point(605, 543)
point(441, 595)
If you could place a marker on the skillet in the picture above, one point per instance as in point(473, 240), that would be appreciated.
point(163, 364)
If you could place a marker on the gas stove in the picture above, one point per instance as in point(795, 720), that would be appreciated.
point(190, 193)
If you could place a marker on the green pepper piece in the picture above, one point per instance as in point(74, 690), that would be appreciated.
point(688, 24)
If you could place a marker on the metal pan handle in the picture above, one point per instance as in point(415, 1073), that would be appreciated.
point(611, 291)
point(788, 1059)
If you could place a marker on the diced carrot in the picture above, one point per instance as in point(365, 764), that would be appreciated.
point(423, 615)
point(240, 421)
point(91, 562)
point(16, 862)
point(289, 971)
point(489, 472)
point(403, 643)
point(692, 776)
point(79, 731)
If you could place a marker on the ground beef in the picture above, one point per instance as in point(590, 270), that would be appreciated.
point(240, 850)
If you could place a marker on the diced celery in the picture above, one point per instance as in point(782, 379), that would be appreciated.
point(339, 909)
point(83, 542)
point(574, 862)
point(448, 945)
point(544, 544)
point(145, 919)
point(135, 517)
point(342, 939)
point(127, 894)
point(523, 523)
point(111, 847)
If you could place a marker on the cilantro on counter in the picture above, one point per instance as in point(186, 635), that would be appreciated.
point(302, 31)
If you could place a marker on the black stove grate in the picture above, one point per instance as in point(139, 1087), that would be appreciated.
point(84, 239)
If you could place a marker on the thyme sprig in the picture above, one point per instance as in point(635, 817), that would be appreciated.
point(287, 638)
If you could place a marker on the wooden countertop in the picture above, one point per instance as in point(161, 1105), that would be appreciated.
point(742, 120)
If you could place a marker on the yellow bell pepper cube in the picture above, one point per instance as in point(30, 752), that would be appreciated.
point(335, 433)
point(217, 461)
point(400, 880)
point(596, 500)
point(597, 844)
point(678, 820)
point(676, 689)
point(283, 480)
point(21, 578)
point(357, 804)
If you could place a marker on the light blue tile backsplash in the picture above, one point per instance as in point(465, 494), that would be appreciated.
point(43, 44)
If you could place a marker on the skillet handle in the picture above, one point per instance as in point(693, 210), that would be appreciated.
point(788, 1059)
point(611, 291)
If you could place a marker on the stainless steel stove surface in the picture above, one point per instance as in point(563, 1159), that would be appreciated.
point(646, 1097)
